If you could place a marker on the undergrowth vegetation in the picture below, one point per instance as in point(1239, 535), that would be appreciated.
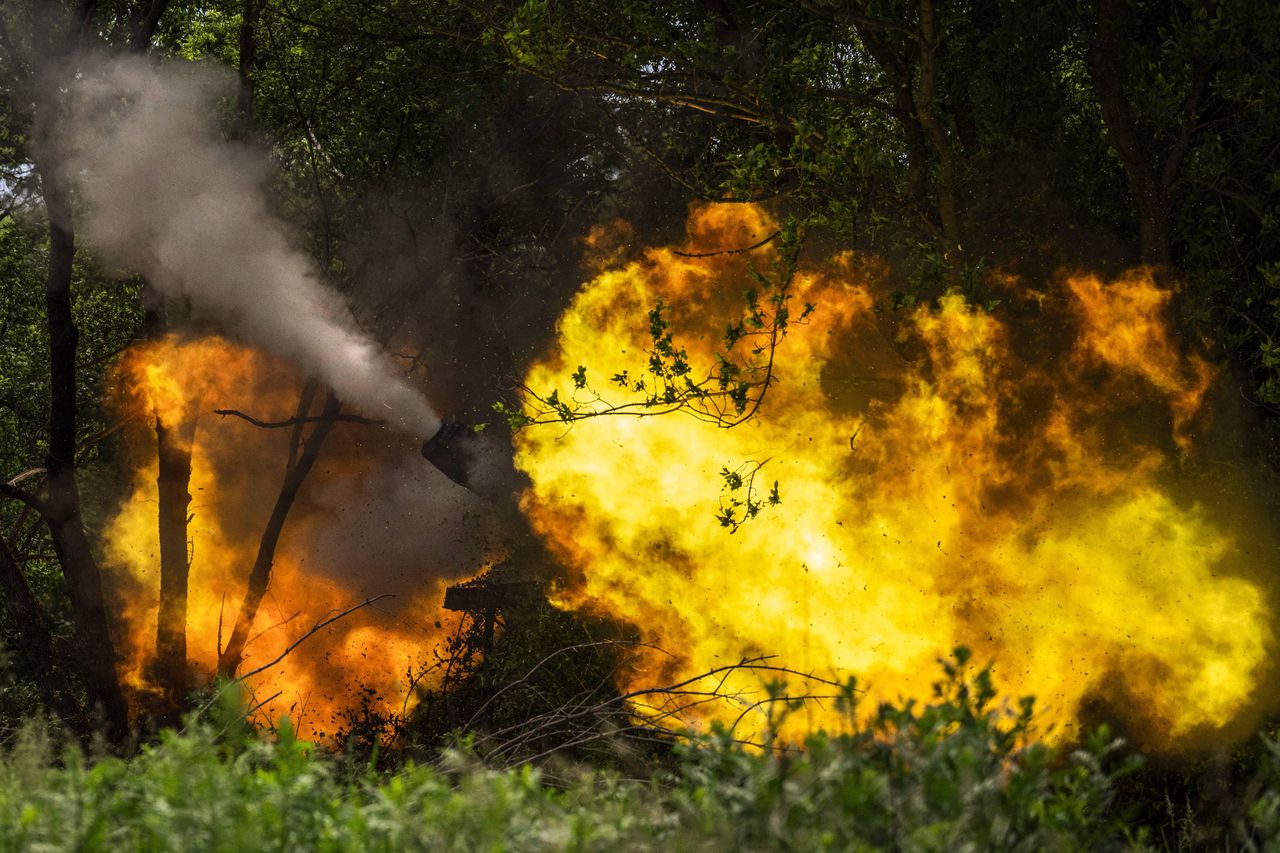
point(958, 773)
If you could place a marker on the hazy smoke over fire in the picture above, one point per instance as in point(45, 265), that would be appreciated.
point(1011, 478)
point(167, 196)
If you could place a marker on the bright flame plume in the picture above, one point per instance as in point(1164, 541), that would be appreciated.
point(1000, 477)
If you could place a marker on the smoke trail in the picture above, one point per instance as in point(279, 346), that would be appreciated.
point(170, 198)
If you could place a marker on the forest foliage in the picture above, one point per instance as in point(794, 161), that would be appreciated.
point(959, 773)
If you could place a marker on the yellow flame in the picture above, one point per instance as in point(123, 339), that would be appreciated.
point(1123, 329)
point(949, 476)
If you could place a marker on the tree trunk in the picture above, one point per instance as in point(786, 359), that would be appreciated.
point(917, 151)
point(1151, 197)
point(37, 642)
point(260, 576)
point(173, 444)
point(173, 453)
point(899, 68)
point(249, 16)
point(948, 192)
point(1153, 231)
point(173, 450)
point(145, 22)
point(95, 650)
point(94, 658)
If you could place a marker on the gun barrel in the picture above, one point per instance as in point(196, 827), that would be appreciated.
point(446, 451)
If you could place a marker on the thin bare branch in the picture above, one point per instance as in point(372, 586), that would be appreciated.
point(740, 251)
point(319, 626)
point(315, 629)
point(296, 421)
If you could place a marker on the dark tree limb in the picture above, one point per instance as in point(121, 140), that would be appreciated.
point(95, 649)
point(775, 235)
point(173, 490)
point(296, 421)
point(948, 192)
point(145, 21)
point(250, 14)
point(260, 575)
point(10, 490)
point(37, 642)
point(1152, 190)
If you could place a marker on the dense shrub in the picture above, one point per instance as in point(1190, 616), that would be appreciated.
point(956, 774)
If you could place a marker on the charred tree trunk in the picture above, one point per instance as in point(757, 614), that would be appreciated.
point(173, 480)
point(229, 659)
point(173, 443)
point(94, 657)
point(173, 450)
point(173, 497)
point(917, 147)
point(96, 652)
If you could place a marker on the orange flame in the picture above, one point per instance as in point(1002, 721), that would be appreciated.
point(949, 476)
point(236, 471)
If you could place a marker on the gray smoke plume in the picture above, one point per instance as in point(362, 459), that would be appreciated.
point(169, 197)
point(398, 527)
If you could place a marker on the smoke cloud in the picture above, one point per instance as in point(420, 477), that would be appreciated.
point(169, 197)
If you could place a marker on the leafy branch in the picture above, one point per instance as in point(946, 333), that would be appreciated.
point(740, 500)
point(727, 391)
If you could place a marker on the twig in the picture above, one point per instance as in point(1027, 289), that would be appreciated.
point(221, 609)
point(324, 623)
point(644, 715)
point(314, 629)
point(525, 678)
point(258, 706)
point(279, 624)
point(740, 251)
point(26, 475)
